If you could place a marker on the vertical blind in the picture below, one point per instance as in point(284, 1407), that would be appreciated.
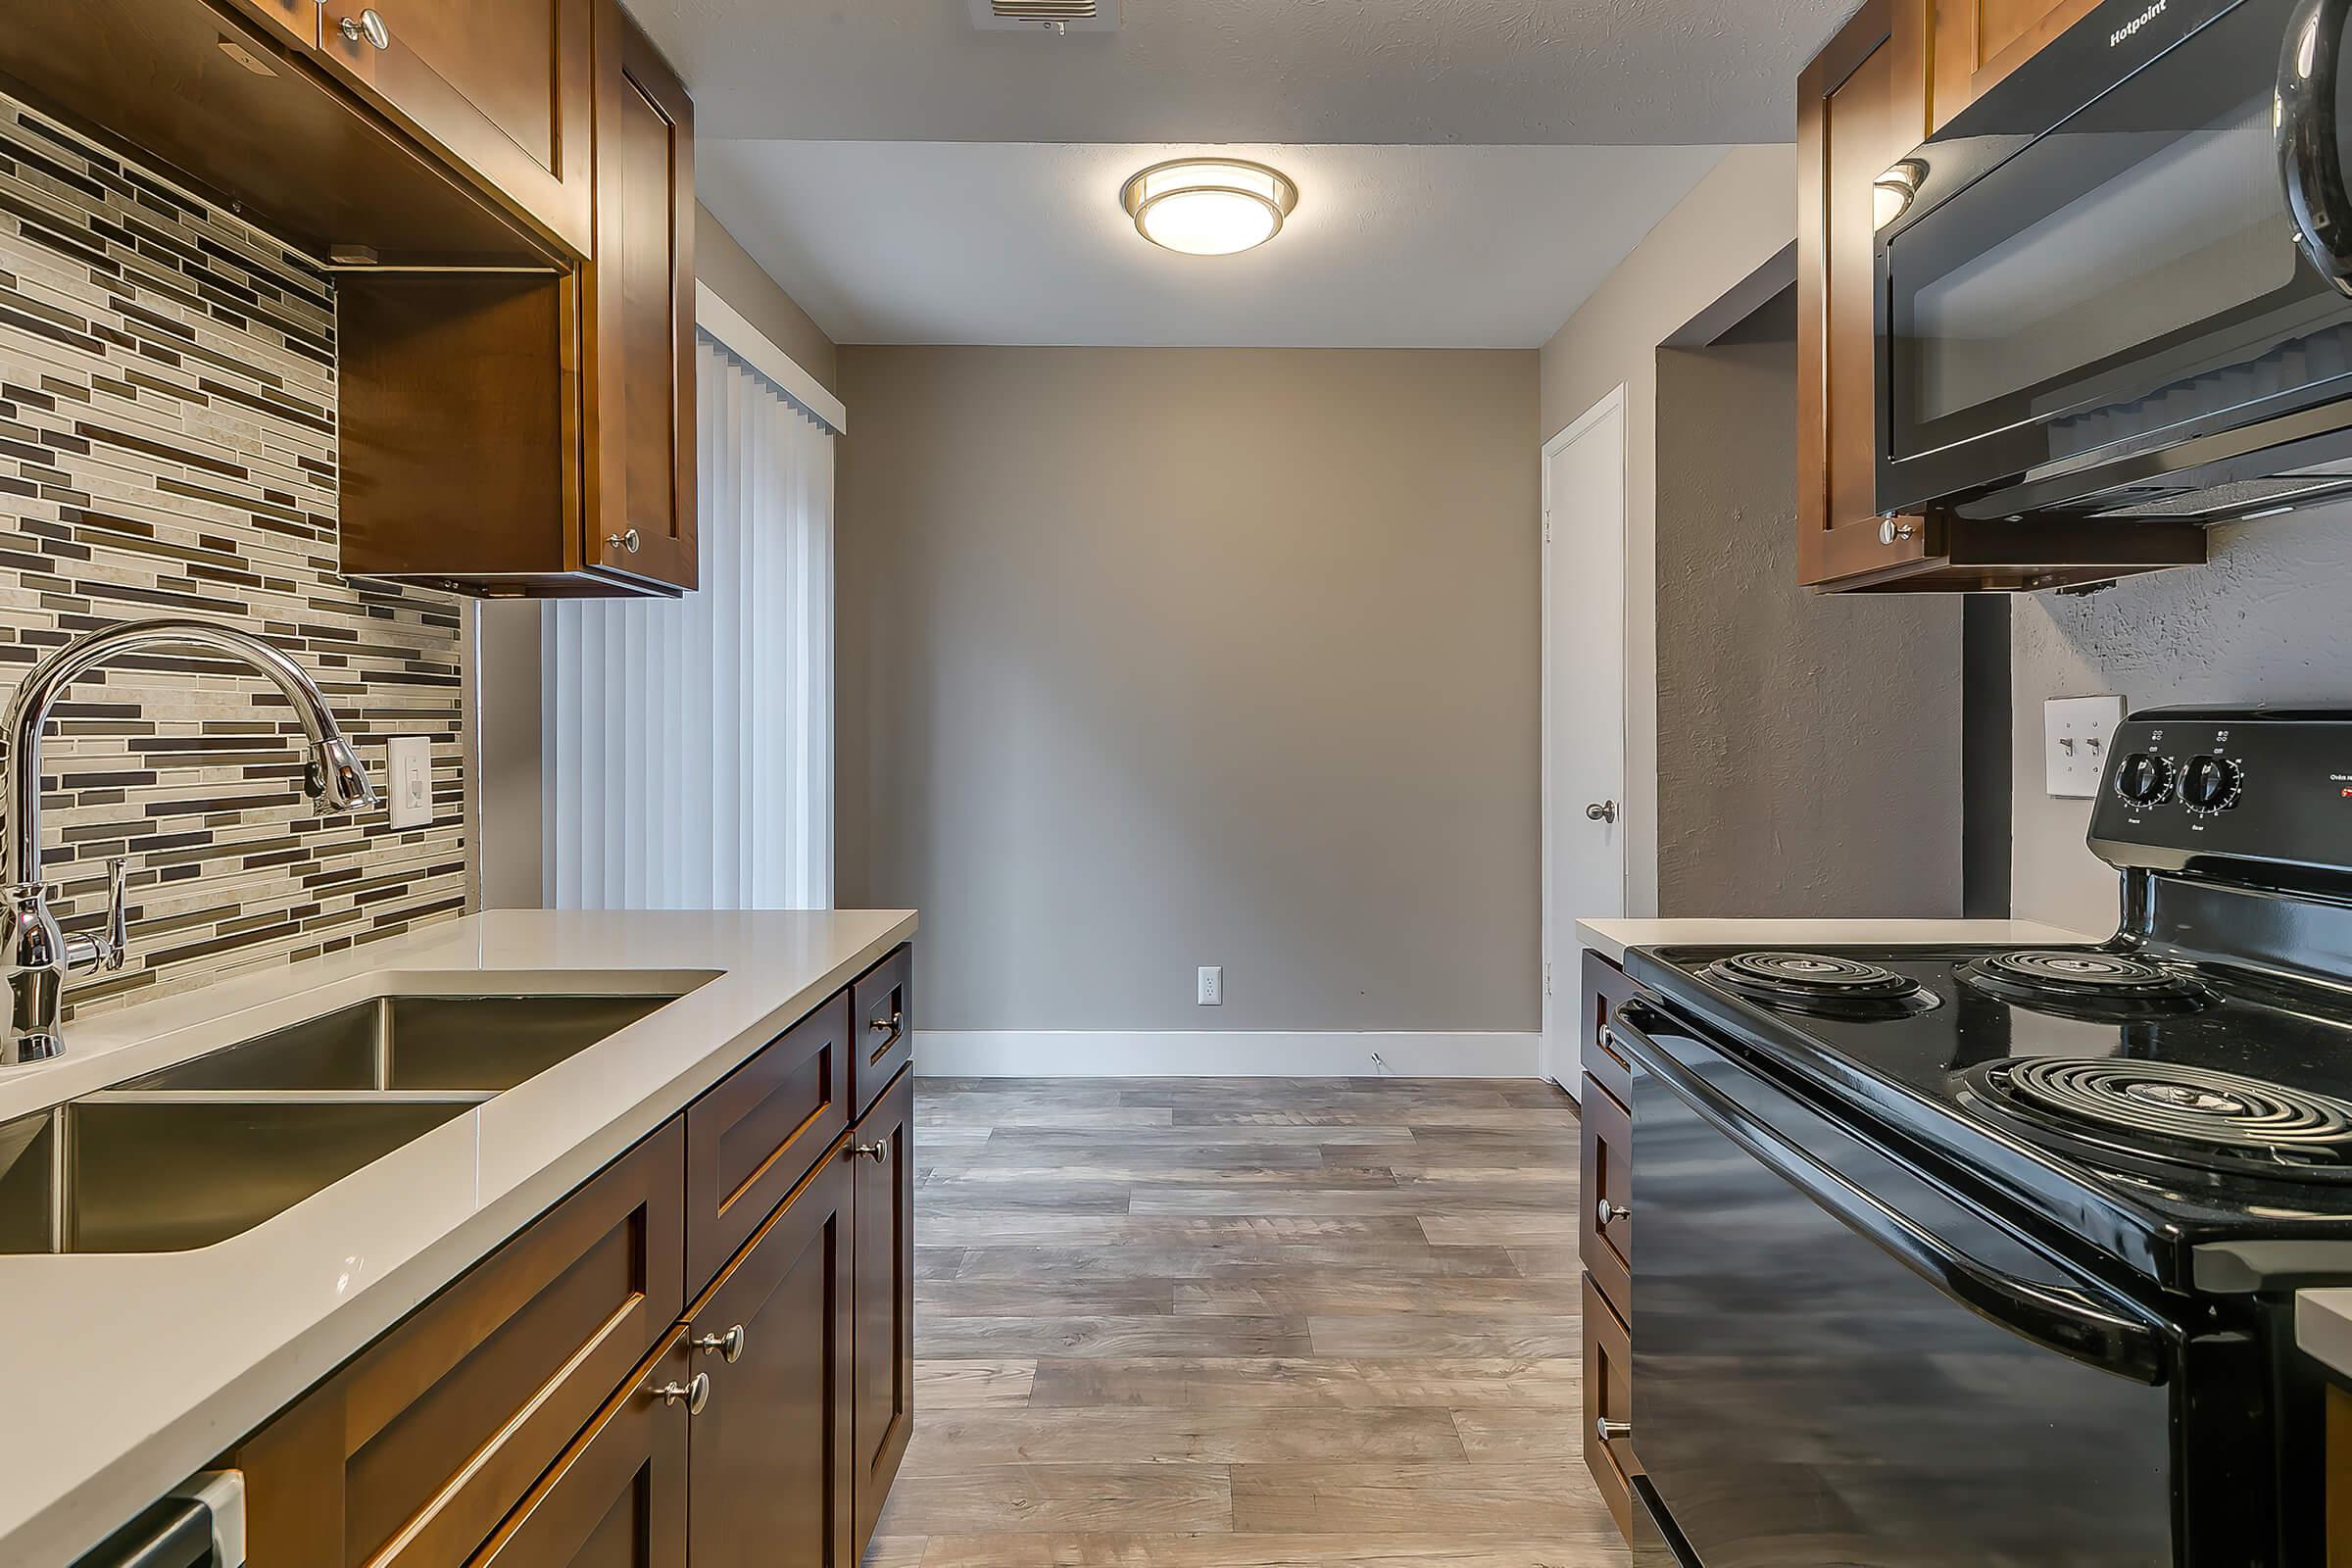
point(687, 744)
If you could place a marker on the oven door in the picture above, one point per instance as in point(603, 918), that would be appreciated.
point(1837, 1360)
point(2099, 289)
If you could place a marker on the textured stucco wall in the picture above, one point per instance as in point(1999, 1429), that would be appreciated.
point(1808, 744)
point(2269, 619)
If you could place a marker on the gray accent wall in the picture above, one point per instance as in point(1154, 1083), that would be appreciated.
point(1152, 659)
point(1809, 757)
point(2268, 620)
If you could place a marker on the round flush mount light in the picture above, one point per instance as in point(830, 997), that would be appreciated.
point(1209, 206)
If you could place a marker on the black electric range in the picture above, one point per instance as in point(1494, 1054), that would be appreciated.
point(1986, 1255)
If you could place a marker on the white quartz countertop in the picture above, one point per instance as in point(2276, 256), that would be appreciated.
point(125, 1373)
point(1612, 936)
point(2324, 1328)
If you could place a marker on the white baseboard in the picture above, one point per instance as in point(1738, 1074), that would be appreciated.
point(1222, 1053)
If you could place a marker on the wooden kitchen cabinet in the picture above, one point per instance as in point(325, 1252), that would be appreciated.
point(882, 1009)
point(299, 20)
point(750, 1139)
point(502, 88)
point(414, 1450)
point(616, 1498)
point(883, 1148)
point(1861, 107)
point(772, 1483)
point(1606, 1129)
point(1955, 49)
point(533, 436)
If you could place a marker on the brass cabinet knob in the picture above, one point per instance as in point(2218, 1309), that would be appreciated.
point(367, 26)
point(878, 1151)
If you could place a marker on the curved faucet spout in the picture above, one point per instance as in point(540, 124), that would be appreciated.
point(335, 778)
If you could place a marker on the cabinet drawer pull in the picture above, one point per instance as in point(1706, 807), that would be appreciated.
point(628, 541)
point(1606, 1211)
point(878, 1151)
point(1612, 1430)
point(1893, 533)
point(695, 1390)
point(728, 1344)
point(367, 26)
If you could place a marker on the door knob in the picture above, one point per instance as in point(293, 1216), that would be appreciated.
point(1603, 811)
point(367, 26)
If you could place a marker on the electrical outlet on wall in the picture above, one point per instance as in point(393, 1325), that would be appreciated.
point(409, 764)
point(2077, 734)
point(1212, 986)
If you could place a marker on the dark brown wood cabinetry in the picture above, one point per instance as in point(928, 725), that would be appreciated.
point(704, 1351)
point(1862, 105)
point(502, 88)
point(772, 1479)
point(1958, 48)
point(884, 1153)
point(882, 1004)
point(1605, 1166)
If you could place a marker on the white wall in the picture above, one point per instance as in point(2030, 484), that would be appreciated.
point(2269, 619)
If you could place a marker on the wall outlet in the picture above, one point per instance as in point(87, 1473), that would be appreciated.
point(2077, 734)
point(1212, 986)
point(408, 760)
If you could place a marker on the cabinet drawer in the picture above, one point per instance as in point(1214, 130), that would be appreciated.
point(1605, 1174)
point(1608, 1397)
point(414, 1451)
point(883, 999)
point(758, 1132)
point(618, 1492)
point(884, 1143)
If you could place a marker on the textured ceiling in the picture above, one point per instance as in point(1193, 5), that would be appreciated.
point(1391, 247)
point(1599, 71)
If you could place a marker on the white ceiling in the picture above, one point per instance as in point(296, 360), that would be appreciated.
point(1391, 247)
point(1501, 72)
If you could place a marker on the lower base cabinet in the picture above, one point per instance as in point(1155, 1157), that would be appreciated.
point(760, 1411)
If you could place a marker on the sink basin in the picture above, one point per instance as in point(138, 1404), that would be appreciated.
point(130, 1173)
point(479, 1044)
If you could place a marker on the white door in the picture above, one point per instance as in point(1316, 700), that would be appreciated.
point(1583, 707)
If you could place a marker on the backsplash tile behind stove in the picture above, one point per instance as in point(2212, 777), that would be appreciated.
point(168, 448)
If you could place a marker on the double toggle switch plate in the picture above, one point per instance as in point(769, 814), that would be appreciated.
point(2077, 734)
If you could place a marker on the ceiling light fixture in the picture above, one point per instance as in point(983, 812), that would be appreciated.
point(1209, 206)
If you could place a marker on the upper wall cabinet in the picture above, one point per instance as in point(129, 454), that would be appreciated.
point(1965, 46)
point(502, 89)
point(1862, 106)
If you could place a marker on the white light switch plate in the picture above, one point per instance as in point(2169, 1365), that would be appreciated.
point(1212, 985)
point(408, 760)
point(2076, 733)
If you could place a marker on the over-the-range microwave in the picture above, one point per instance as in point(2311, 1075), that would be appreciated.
point(2119, 284)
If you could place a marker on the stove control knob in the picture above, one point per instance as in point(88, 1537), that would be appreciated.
point(2212, 784)
point(2144, 778)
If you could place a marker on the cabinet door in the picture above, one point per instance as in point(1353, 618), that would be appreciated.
point(641, 410)
point(882, 1016)
point(1975, 43)
point(505, 88)
point(414, 1450)
point(616, 1499)
point(753, 1137)
point(298, 19)
point(1857, 113)
point(884, 1147)
point(773, 1468)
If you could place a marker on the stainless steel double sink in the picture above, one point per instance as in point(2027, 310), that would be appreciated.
point(211, 1147)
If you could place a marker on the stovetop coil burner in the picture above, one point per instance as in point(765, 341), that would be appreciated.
point(2185, 1115)
point(2078, 984)
point(1817, 982)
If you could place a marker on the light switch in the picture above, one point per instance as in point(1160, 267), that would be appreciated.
point(408, 760)
point(2077, 734)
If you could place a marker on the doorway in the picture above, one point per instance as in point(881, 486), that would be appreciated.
point(1585, 830)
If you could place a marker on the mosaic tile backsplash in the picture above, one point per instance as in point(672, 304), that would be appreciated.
point(168, 448)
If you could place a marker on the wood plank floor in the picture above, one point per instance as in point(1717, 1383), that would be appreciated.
point(1246, 1323)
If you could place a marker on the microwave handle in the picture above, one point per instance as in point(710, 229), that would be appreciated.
point(2311, 164)
point(2057, 1320)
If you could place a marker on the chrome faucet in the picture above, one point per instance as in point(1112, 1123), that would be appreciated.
point(40, 955)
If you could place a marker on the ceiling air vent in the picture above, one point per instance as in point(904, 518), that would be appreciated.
point(1046, 16)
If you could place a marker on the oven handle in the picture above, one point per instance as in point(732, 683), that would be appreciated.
point(2114, 1338)
point(2311, 163)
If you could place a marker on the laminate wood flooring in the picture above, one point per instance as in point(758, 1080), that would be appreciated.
point(1246, 1323)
